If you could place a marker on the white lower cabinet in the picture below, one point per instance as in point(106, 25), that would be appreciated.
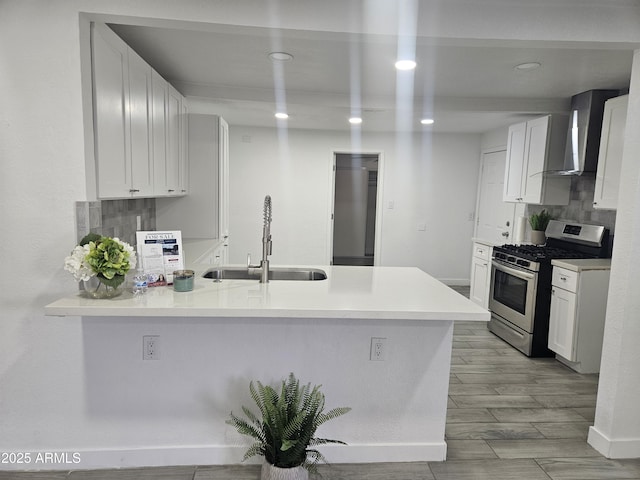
point(480, 274)
point(578, 310)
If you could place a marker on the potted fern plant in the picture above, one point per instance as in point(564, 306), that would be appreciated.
point(284, 432)
point(539, 223)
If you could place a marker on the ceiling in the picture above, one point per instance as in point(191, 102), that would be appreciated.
point(465, 86)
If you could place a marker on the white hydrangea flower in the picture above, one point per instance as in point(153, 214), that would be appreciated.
point(129, 249)
point(75, 263)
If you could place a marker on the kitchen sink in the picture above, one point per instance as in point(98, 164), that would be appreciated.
point(275, 273)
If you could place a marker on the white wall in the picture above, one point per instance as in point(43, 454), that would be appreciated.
point(431, 179)
point(616, 432)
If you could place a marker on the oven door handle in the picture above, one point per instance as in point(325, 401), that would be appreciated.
point(516, 272)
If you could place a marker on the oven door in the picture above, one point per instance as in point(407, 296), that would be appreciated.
point(513, 294)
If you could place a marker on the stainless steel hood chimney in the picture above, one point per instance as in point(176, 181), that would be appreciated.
point(583, 138)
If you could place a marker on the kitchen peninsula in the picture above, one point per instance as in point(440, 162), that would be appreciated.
point(216, 338)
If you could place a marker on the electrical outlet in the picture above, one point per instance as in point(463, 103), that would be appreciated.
point(150, 347)
point(378, 349)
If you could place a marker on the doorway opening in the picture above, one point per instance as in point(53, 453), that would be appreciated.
point(355, 208)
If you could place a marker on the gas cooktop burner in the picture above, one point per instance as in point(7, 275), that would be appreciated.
point(537, 253)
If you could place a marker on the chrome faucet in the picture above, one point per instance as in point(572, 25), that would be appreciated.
point(266, 244)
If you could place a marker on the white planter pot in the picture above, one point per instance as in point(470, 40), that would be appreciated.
point(269, 472)
point(538, 237)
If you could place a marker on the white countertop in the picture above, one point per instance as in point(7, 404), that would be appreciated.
point(578, 265)
point(400, 293)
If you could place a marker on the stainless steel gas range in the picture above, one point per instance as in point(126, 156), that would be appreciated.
point(520, 295)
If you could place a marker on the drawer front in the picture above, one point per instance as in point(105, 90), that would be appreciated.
point(566, 279)
point(482, 251)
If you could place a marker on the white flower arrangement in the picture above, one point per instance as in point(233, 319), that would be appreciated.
point(107, 258)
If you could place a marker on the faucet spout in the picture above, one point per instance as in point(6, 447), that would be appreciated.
point(266, 240)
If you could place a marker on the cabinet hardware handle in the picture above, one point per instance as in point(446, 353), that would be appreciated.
point(564, 279)
point(133, 190)
point(170, 190)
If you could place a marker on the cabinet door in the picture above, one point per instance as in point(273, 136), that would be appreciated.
point(111, 94)
point(184, 153)
point(515, 161)
point(610, 155)
point(140, 126)
point(159, 129)
point(174, 146)
point(537, 140)
point(480, 278)
point(562, 323)
point(223, 179)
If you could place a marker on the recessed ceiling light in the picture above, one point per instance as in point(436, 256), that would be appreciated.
point(528, 66)
point(282, 115)
point(355, 120)
point(280, 56)
point(405, 64)
point(427, 121)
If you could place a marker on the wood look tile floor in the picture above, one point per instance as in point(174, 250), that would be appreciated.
point(509, 417)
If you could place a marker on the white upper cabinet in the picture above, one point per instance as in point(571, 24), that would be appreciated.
point(533, 148)
point(204, 213)
point(610, 157)
point(140, 125)
point(174, 141)
point(169, 132)
point(138, 129)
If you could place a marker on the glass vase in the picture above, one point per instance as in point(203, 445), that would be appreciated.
point(94, 288)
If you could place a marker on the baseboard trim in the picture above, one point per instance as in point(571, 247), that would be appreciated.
point(217, 455)
point(625, 448)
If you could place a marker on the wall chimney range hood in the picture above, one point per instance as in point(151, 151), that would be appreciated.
point(583, 137)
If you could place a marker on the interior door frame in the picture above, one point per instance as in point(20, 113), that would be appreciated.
point(377, 251)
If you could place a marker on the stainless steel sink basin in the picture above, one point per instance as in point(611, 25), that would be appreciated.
point(275, 273)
